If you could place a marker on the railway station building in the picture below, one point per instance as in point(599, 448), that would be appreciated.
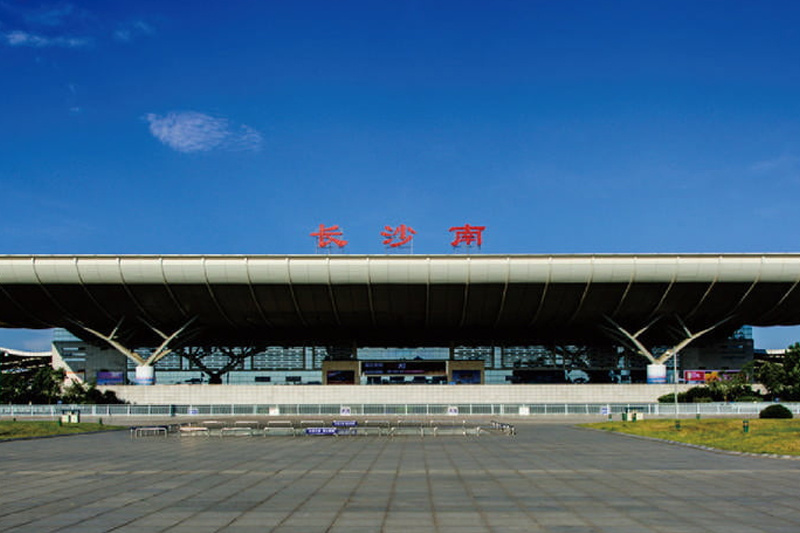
point(394, 319)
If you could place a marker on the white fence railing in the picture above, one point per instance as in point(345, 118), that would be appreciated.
point(533, 409)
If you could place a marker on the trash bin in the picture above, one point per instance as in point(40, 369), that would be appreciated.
point(70, 416)
point(631, 415)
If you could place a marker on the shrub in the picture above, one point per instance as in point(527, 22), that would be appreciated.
point(749, 399)
point(79, 393)
point(697, 395)
point(693, 395)
point(775, 411)
point(715, 392)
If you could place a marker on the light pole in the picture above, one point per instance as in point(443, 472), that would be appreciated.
point(675, 386)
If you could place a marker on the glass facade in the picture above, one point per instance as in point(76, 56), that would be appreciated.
point(502, 364)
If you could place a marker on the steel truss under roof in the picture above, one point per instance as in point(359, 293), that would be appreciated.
point(397, 300)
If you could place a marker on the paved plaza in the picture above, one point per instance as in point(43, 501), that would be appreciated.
point(550, 477)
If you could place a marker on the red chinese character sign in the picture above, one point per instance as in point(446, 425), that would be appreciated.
point(327, 236)
point(399, 236)
point(467, 235)
point(396, 237)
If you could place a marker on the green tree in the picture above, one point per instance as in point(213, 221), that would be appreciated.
point(46, 386)
point(40, 386)
point(731, 388)
point(781, 378)
point(79, 393)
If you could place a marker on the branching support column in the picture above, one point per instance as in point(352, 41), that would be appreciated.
point(145, 374)
point(632, 339)
point(111, 340)
point(657, 370)
point(164, 350)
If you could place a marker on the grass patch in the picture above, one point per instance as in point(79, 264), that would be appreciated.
point(780, 437)
point(27, 429)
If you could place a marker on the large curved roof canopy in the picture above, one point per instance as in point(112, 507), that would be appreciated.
point(400, 300)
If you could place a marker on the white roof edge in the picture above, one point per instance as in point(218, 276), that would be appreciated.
point(398, 269)
point(23, 353)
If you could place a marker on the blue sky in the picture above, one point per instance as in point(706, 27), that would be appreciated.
point(239, 127)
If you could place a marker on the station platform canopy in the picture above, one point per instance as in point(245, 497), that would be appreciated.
point(397, 300)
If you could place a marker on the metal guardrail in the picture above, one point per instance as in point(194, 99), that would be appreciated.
point(525, 410)
point(350, 427)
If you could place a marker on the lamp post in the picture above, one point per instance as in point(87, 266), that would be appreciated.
point(675, 387)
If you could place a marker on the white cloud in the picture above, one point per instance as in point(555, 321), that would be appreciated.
point(52, 16)
point(188, 131)
point(781, 164)
point(23, 38)
point(246, 138)
point(127, 32)
point(191, 131)
point(61, 25)
point(44, 15)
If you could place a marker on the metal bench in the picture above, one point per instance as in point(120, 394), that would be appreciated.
point(149, 431)
point(381, 426)
point(281, 427)
point(193, 431)
point(236, 431)
point(449, 427)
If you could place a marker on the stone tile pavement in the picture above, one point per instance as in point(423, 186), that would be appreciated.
point(551, 477)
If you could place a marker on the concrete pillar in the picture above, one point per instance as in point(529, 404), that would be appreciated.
point(145, 375)
point(656, 374)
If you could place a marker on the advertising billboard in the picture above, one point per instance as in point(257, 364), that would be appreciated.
point(110, 378)
point(404, 368)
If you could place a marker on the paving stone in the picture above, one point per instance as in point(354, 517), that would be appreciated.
point(550, 477)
